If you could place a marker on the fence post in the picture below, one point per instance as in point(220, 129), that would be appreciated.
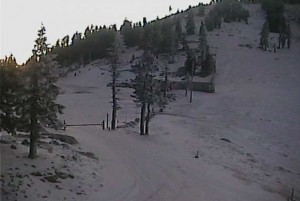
point(65, 125)
point(292, 196)
point(107, 120)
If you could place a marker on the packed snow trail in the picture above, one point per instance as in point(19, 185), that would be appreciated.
point(142, 168)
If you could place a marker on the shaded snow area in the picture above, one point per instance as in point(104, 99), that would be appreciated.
point(246, 135)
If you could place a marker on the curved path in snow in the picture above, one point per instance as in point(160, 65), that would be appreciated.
point(148, 168)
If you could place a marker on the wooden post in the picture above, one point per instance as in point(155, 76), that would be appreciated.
point(103, 125)
point(107, 120)
point(197, 154)
point(65, 125)
point(292, 196)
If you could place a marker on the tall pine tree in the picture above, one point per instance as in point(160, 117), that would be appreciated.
point(39, 109)
point(143, 86)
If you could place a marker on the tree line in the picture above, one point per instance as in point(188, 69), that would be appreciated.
point(86, 47)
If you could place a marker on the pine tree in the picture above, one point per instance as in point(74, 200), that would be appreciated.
point(201, 10)
point(178, 29)
point(9, 99)
point(208, 65)
point(65, 41)
point(144, 21)
point(264, 39)
point(39, 109)
point(141, 86)
point(190, 24)
point(202, 43)
point(190, 64)
point(147, 92)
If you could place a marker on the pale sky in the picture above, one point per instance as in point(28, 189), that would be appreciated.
point(20, 19)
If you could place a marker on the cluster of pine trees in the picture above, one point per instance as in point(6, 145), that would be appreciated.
point(148, 91)
point(28, 93)
point(228, 10)
point(275, 14)
point(276, 23)
point(84, 48)
point(159, 36)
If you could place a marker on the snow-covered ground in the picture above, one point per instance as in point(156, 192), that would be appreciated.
point(246, 134)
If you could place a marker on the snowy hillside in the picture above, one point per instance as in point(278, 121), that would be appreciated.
point(247, 134)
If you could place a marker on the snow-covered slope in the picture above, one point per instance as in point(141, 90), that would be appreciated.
point(246, 134)
point(256, 107)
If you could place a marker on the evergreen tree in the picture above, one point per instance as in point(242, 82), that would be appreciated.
point(264, 36)
point(202, 32)
point(65, 41)
point(208, 63)
point(275, 14)
point(168, 42)
point(57, 44)
point(92, 45)
point(129, 35)
point(144, 21)
point(38, 107)
point(202, 43)
point(178, 29)
point(201, 10)
point(9, 97)
point(190, 24)
point(190, 64)
point(147, 92)
point(141, 81)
